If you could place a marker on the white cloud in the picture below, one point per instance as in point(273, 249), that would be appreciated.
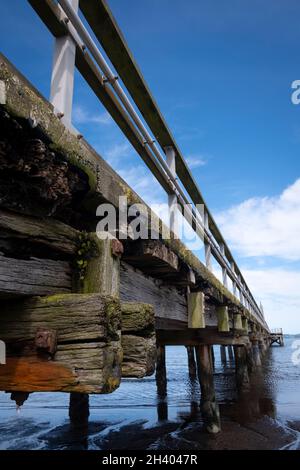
point(195, 161)
point(82, 116)
point(144, 184)
point(278, 290)
point(118, 151)
point(268, 226)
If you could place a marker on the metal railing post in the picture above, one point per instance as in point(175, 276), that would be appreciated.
point(224, 270)
point(207, 246)
point(172, 198)
point(62, 79)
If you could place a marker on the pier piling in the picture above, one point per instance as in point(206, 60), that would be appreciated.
point(241, 367)
point(191, 362)
point(161, 373)
point(209, 406)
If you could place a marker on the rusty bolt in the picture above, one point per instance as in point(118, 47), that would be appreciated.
point(46, 341)
point(117, 248)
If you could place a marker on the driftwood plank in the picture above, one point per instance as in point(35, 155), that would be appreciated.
point(48, 232)
point(34, 277)
point(88, 356)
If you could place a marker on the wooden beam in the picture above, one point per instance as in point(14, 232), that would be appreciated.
point(196, 310)
point(47, 231)
point(223, 319)
point(195, 337)
point(151, 256)
point(102, 274)
point(20, 277)
point(88, 355)
point(138, 339)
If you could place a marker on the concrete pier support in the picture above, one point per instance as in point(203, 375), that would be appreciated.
point(223, 354)
point(79, 410)
point(161, 372)
point(241, 367)
point(209, 406)
point(191, 362)
point(256, 353)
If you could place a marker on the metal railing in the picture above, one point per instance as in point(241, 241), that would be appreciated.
point(62, 18)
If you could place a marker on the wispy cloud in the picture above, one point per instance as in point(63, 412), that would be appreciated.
point(144, 184)
point(195, 161)
point(82, 116)
point(118, 151)
point(268, 226)
point(266, 230)
point(278, 290)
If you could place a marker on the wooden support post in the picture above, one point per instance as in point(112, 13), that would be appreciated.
point(250, 361)
point(245, 325)
point(223, 354)
point(223, 319)
point(212, 357)
point(196, 310)
point(138, 339)
point(209, 406)
point(79, 409)
point(241, 367)
point(102, 273)
point(230, 353)
point(191, 362)
point(161, 373)
point(238, 322)
point(256, 353)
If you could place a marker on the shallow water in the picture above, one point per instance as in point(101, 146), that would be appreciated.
point(133, 416)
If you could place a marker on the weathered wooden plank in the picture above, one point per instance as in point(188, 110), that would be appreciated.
point(102, 273)
point(223, 319)
point(138, 339)
point(137, 318)
point(139, 355)
point(88, 356)
point(167, 301)
point(151, 256)
point(196, 317)
point(196, 337)
point(20, 277)
point(48, 232)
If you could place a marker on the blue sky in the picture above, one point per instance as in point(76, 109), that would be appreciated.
point(221, 73)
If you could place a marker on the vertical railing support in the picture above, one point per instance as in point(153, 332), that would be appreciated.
point(62, 80)
point(224, 270)
point(207, 246)
point(172, 198)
